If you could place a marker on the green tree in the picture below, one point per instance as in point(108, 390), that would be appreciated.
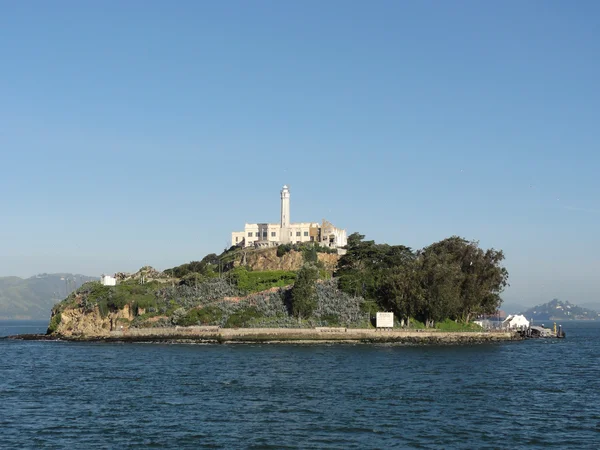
point(400, 290)
point(304, 295)
point(366, 265)
point(440, 279)
point(478, 275)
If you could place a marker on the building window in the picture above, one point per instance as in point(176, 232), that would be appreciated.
point(236, 239)
point(297, 233)
point(290, 233)
point(264, 234)
point(249, 233)
point(273, 234)
point(306, 233)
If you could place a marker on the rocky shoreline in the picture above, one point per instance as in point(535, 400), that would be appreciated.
point(215, 335)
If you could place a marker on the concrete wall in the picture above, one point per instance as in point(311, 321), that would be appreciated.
point(312, 334)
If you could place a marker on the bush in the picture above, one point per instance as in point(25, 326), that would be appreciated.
point(204, 267)
point(332, 302)
point(242, 318)
point(370, 306)
point(283, 249)
point(141, 321)
point(172, 297)
point(209, 315)
point(309, 254)
point(54, 323)
point(331, 320)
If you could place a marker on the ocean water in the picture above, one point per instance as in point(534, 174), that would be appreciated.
point(533, 394)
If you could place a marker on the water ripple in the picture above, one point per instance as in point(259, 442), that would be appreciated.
point(535, 394)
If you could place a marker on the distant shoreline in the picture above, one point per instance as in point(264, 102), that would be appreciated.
point(284, 335)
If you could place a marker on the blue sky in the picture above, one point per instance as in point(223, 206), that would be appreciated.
point(144, 132)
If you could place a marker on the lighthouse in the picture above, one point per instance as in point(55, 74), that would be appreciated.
point(285, 215)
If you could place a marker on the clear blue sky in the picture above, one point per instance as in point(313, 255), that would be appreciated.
point(144, 132)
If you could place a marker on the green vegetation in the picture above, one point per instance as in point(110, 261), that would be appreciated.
point(309, 250)
point(248, 282)
point(113, 298)
point(209, 315)
point(242, 318)
point(451, 325)
point(443, 285)
point(451, 279)
point(304, 292)
point(54, 323)
point(208, 267)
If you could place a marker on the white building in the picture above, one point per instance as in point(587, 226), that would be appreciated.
point(286, 232)
point(515, 322)
point(107, 280)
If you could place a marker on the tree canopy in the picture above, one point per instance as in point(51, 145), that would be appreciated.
point(451, 279)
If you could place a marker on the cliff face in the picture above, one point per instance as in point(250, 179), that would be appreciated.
point(77, 322)
point(267, 259)
point(330, 260)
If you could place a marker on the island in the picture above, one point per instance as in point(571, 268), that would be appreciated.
point(560, 310)
point(303, 292)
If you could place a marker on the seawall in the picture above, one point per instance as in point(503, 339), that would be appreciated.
point(292, 335)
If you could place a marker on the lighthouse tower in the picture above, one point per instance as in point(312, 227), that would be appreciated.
point(284, 234)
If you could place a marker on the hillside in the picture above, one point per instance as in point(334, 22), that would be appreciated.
point(34, 297)
point(241, 287)
point(296, 286)
point(559, 310)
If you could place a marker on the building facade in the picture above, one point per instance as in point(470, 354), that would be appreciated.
point(107, 280)
point(286, 232)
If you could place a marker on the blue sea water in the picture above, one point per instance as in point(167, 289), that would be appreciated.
point(533, 394)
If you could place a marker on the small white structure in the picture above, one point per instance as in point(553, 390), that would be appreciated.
point(384, 320)
point(515, 322)
point(107, 280)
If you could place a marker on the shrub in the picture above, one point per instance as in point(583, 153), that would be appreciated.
point(283, 249)
point(331, 320)
point(178, 314)
point(54, 323)
point(209, 315)
point(242, 318)
point(141, 321)
point(172, 297)
point(309, 254)
point(333, 302)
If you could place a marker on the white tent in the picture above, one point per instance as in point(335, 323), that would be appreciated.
point(515, 321)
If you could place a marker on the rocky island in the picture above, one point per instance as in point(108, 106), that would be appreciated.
point(296, 293)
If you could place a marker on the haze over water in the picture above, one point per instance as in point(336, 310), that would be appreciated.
point(533, 394)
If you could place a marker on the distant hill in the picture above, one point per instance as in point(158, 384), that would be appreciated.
point(33, 298)
point(558, 310)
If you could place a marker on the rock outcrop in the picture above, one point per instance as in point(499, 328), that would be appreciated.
point(77, 322)
point(267, 259)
